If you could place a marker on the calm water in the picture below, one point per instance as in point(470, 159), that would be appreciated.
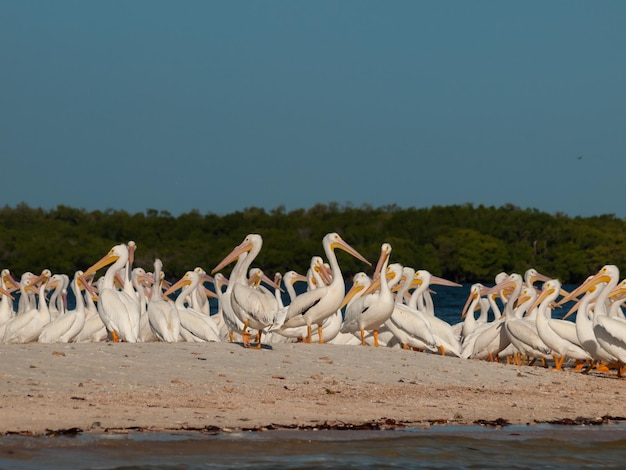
point(541, 446)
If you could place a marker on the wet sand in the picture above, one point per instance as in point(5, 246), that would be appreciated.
point(121, 387)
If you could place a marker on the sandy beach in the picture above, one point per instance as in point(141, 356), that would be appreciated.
point(123, 387)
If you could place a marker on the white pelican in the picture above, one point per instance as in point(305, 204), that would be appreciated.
point(27, 300)
point(119, 310)
point(256, 276)
point(6, 299)
point(233, 325)
point(141, 281)
point(288, 280)
point(94, 330)
point(618, 296)
point(57, 304)
point(162, 314)
point(194, 325)
point(523, 332)
point(319, 275)
point(360, 281)
point(610, 332)
point(26, 327)
point(256, 308)
point(490, 339)
point(314, 306)
point(199, 299)
point(374, 308)
point(424, 301)
point(66, 326)
point(470, 323)
point(559, 335)
point(408, 325)
point(448, 341)
point(531, 276)
point(584, 325)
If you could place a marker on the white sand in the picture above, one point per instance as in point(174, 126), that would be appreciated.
point(155, 386)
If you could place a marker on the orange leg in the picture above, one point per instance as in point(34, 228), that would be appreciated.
point(363, 338)
point(376, 338)
point(601, 367)
point(309, 334)
point(558, 362)
point(245, 335)
point(115, 336)
point(258, 340)
point(319, 334)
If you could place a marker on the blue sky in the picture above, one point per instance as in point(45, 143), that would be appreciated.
point(222, 105)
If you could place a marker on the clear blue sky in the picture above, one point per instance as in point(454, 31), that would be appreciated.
point(222, 105)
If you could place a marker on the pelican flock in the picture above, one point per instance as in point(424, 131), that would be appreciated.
point(392, 308)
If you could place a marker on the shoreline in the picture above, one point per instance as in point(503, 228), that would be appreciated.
point(60, 389)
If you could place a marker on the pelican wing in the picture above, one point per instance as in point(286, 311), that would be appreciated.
point(520, 332)
point(305, 302)
point(260, 305)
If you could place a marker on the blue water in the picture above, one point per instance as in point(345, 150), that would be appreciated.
point(541, 446)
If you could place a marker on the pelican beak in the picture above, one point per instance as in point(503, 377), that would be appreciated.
point(244, 246)
point(184, 281)
point(544, 293)
point(107, 259)
point(356, 287)
point(298, 278)
point(43, 277)
point(375, 285)
point(82, 281)
point(210, 293)
point(5, 292)
point(118, 280)
point(416, 282)
point(521, 299)
point(619, 291)
point(473, 296)
point(325, 273)
point(259, 276)
point(577, 304)
point(506, 284)
point(132, 246)
point(586, 286)
point(342, 245)
point(443, 282)
point(384, 256)
point(538, 277)
point(9, 279)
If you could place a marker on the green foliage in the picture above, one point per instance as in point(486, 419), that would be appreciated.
point(464, 243)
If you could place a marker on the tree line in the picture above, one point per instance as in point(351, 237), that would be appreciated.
point(464, 243)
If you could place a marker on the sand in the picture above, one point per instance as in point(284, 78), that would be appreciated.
point(123, 387)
